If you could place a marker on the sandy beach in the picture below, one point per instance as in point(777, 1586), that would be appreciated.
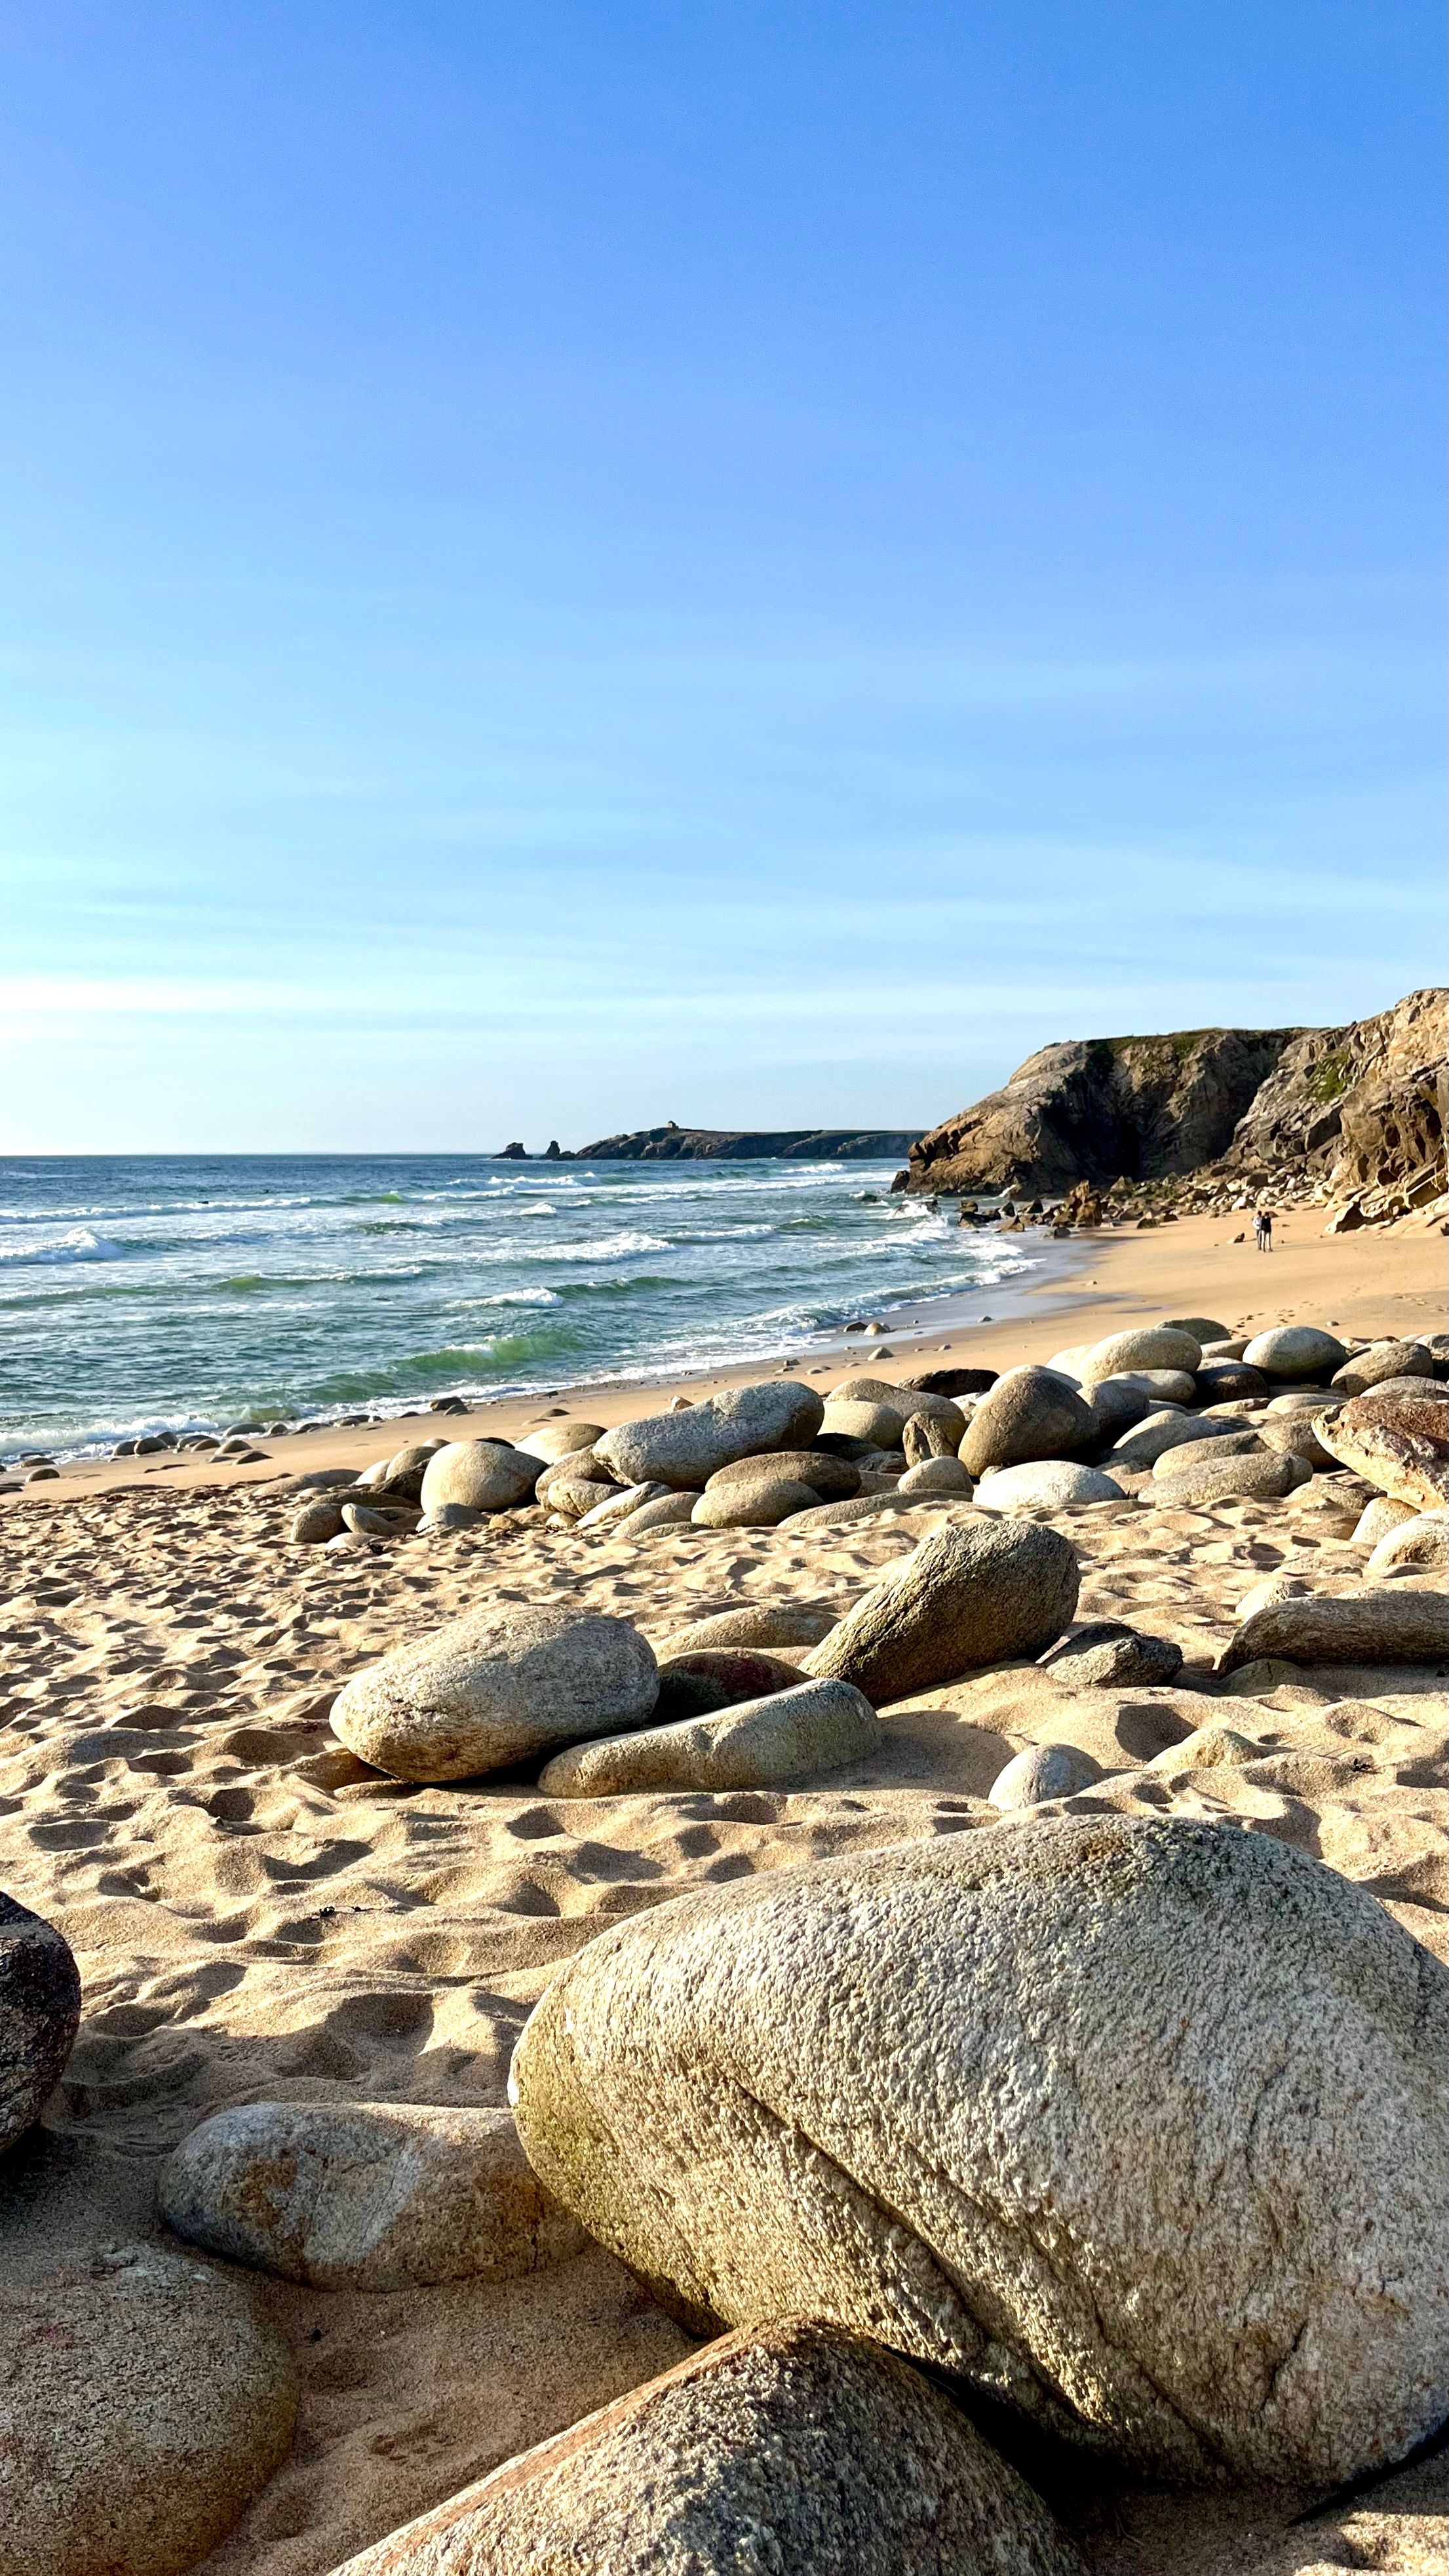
point(257, 1914)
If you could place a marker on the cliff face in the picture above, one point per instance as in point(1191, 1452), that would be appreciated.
point(1356, 1108)
point(671, 1144)
point(1349, 1114)
point(1103, 1109)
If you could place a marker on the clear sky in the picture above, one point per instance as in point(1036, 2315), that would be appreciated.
point(568, 565)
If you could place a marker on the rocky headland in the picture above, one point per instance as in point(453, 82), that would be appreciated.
point(1351, 1119)
point(674, 1144)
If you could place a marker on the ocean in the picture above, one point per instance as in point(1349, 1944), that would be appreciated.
point(182, 1293)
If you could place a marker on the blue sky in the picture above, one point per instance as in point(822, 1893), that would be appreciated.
point(567, 566)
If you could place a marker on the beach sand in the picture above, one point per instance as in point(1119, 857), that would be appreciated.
point(257, 1915)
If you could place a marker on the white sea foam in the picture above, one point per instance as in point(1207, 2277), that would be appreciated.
point(80, 1244)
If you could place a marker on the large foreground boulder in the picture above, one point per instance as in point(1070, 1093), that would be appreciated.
point(817, 1726)
point(686, 1449)
point(495, 1687)
point(364, 2195)
point(1394, 1443)
point(144, 2399)
point(965, 1596)
point(798, 2448)
point(1134, 2124)
point(40, 2000)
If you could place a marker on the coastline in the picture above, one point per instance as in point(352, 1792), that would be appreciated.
point(1099, 1282)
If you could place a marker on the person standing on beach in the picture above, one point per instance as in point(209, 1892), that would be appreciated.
point(1263, 1229)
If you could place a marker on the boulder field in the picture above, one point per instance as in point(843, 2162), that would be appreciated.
point(1010, 2125)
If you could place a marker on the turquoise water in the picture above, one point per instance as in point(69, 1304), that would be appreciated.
point(181, 1293)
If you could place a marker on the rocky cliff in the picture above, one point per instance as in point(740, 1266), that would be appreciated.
point(672, 1144)
point(1353, 1116)
point(1351, 1111)
point(1103, 1109)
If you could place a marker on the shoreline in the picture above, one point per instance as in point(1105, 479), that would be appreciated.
point(952, 1310)
point(1099, 1282)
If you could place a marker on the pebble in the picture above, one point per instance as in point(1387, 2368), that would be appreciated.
point(1041, 1772)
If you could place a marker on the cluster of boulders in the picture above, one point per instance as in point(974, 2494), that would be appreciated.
point(1128, 2127)
point(1181, 1410)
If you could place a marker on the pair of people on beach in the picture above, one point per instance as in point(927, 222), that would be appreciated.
point(1263, 1229)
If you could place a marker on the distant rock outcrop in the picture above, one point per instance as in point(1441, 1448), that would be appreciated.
point(1103, 1109)
point(674, 1144)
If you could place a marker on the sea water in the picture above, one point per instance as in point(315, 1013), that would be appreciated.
point(181, 1293)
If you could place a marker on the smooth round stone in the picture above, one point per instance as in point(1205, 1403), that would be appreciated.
point(561, 1439)
point(365, 2195)
point(1028, 1414)
point(817, 1726)
point(620, 1504)
point(780, 1624)
point(754, 1506)
point(1155, 1386)
point(1296, 1350)
point(1047, 1484)
point(494, 1687)
point(684, 1449)
point(1381, 1363)
point(936, 1476)
point(485, 1474)
point(1152, 1346)
point(1422, 1543)
point(1199, 1328)
point(970, 1594)
point(831, 1478)
point(1043, 1771)
point(144, 2400)
point(672, 1511)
